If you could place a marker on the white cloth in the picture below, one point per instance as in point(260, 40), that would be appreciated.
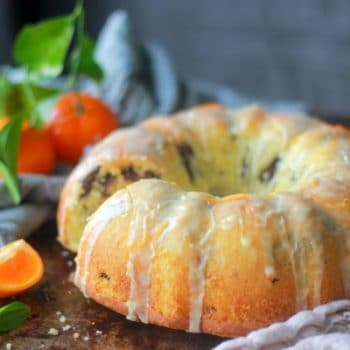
point(39, 197)
point(325, 327)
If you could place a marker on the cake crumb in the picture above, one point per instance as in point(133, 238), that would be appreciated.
point(66, 327)
point(62, 319)
point(86, 338)
point(70, 263)
point(8, 346)
point(98, 332)
point(76, 335)
point(53, 331)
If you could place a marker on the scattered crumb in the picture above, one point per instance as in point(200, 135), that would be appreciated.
point(58, 313)
point(8, 346)
point(66, 327)
point(62, 319)
point(64, 253)
point(53, 331)
point(70, 263)
point(86, 338)
point(76, 335)
point(98, 332)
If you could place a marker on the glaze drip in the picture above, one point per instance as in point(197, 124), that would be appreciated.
point(197, 273)
point(139, 266)
point(303, 240)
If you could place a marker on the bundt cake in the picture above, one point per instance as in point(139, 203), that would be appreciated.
point(271, 238)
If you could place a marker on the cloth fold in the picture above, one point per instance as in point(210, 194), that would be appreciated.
point(39, 197)
point(325, 327)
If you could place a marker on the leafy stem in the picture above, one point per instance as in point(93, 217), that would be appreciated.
point(4, 92)
point(78, 13)
point(31, 102)
point(10, 136)
point(41, 50)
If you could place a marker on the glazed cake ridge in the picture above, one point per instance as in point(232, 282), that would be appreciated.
point(211, 150)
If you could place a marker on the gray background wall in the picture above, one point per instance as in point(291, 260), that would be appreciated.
point(277, 49)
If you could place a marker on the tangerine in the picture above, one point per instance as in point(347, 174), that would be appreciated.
point(78, 121)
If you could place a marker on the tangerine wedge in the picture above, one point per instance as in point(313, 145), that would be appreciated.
point(20, 268)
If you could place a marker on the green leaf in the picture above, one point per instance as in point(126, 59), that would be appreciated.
point(30, 103)
point(13, 315)
point(11, 182)
point(9, 141)
point(5, 88)
point(83, 60)
point(42, 48)
point(9, 144)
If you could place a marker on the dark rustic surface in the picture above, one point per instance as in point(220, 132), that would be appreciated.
point(56, 292)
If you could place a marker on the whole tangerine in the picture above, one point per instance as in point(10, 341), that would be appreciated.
point(78, 121)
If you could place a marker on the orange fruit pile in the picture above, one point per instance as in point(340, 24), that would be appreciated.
point(78, 121)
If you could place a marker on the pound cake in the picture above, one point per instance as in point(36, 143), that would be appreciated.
point(245, 222)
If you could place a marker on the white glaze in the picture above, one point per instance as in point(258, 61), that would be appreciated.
point(142, 255)
point(185, 212)
point(290, 236)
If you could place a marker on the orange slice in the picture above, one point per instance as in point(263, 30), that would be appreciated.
point(20, 268)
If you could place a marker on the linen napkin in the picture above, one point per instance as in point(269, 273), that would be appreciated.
point(327, 327)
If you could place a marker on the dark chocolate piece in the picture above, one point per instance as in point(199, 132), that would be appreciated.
point(268, 173)
point(105, 182)
point(186, 153)
point(104, 275)
point(87, 182)
point(130, 174)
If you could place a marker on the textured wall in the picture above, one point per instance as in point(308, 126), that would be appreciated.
point(297, 49)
